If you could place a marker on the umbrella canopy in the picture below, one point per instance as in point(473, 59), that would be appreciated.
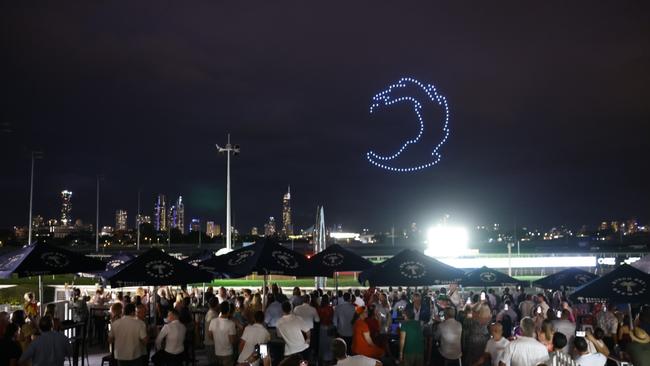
point(197, 258)
point(488, 277)
point(625, 284)
point(570, 277)
point(42, 259)
point(643, 264)
point(118, 260)
point(265, 257)
point(155, 268)
point(335, 258)
point(411, 268)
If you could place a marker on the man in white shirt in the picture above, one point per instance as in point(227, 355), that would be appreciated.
point(307, 312)
point(358, 298)
point(566, 327)
point(212, 313)
point(273, 312)
point(222, 295)
point(294, 332)
point(449, 334)
point(509, 311)
point(583, 357)
point(525, 350)
point(495, 345)
point(254, 335)
point(343, 314)
point(339, 351)
point(173, 333)
point(526, 306)
point(129, 337)
point(224, 335)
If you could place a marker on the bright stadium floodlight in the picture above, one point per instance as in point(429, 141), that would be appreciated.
point(446, 242)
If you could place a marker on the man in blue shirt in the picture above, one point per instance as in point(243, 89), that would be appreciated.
point(50, 348)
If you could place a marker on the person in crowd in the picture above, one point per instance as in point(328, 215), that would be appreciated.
point(50, 348)
point(557, 357)
point(253, 306)
point(521, 296)
point(50, 309)
point(326, 315)
point(421, 309)
point(475, 333)
point(173, 334)
point(222, 295)
point(638, 351)
point(343, 315)
point(508, 310)
point(540, 302)
point(607, 321)
point(295, 333)
point(507, 296)
point(254, 335)
point(400, 304)
point(339, 351)
point(129, 336)
point(224, 335)
point(209, 293)
point(584, 357)
point(494, 347)
point(358, 299)
point(448, 333)
point(383, 309)
point(595, 342)
point(115, 311)
point(212, 313)
point(273, 311)
point(296, 297)
point(411, 341)
point(623, 337)
point(10, 350)
point(140, 308)
point(25, 329)
point(307, 312)
point(525, 350)
point(30, 306)
point(545, 335)
point(564, 326)
point(454, 295)
point(362, 343)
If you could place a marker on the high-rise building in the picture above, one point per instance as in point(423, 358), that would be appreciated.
point(142, 219)
point(195, 225)
point(120, 220)
point(160, 214)
point(217, 230)
point(180, 215)
point(210, 229)
point(66, 208)
point(269, 227)
point(171, 217)
point(287, 226)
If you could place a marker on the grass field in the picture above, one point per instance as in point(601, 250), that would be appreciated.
point(14, 295)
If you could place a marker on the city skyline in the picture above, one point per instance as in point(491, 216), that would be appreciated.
point(547, 111)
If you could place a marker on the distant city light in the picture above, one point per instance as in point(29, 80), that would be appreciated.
point(387, 99)
point(338, 235)
point(522, 262)
point(447, 242)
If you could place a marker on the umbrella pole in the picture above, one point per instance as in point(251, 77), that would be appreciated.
point(629, 310)
point(336, 288)
point(40, 295)
point(264, 291)
point(203, 295)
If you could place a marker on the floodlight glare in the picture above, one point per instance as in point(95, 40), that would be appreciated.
point(446, 242)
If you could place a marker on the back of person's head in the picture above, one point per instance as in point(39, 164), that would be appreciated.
point(565, 314)
point(599, 333)
point(129, 309)
point(346, 297)
point(213, 303)
point(10, 331)
point(339, 348)
point(450, 313)
point(224, 308)
point(259, 317)
point(324, 300)
point(138, 300)
point(286, 307)
point(527, 326)
point(580, 344)
point(45, 324)
point(357, 292)
point(18, 317)
point(116, 309)
point(306, 299)
point(409, 314)
point(559, 341)
point(507, 302)
point(271, 298)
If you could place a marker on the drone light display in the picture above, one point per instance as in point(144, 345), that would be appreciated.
point(387, 99)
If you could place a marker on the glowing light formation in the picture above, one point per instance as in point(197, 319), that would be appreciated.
point(386, 98)
point(447, 242)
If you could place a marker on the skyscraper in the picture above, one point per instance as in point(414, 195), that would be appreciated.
point(287, 226)
point(209, 229)
point(195, 225)
point(269, 227)
point(160, 214)
point(180, 215)
point(171, 217)
point(120, 220)
point(142, 219)
point(66, 208)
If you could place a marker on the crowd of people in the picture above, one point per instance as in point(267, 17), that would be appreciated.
point(369, 327)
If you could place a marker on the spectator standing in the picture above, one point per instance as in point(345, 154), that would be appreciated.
point(173, 334)
point(475, 333)
point(449, 333)
point(306, 312)
point(545, 335)
point(584, 357)
point(564, 326)
point(607, 321)
point(129, 336)
point(296, 297)
point(224, 335)
point(524, 350)
point(526, 306)
point(294, 332)
point(9, 346)
point(49, 349)
point(254, 334)
point(639, 349)
point(213, 313)
point(362, 343)
point(411, 341)
point(559, 358)
point(326, 315)
point(541, 303)
point(30, 306)
point(343, 315)
point(273, 311)
point(339, 350)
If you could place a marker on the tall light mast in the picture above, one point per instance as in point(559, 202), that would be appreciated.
point(234, 150)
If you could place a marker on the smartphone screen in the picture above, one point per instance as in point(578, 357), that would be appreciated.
point(264, 351)
point(558, 314)
point(505, 307)
point(580, 333)
point(539, 310)
point(482, 296)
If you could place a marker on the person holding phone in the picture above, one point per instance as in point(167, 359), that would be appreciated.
point(564, 326)
point(254, 334)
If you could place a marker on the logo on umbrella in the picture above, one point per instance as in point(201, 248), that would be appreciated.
point(284, 259)
point(240, 258)
point(53, 259)
point(582, 278)
point(488, 276)
point(412, 269)
point(333, 259)
point(13, 259)
point(628, 286)
point(159, 268)
point(115, 263)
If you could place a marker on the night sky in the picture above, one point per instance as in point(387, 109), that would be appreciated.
point(549, 109)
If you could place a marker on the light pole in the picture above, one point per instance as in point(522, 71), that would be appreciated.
point(234, 150)
point(138, 221)
point(35, 155)
point(99, 177)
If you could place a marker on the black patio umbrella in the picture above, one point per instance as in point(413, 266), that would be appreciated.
point(264, 257)
point(197, 258)
point(43, 259)
point(155, 268)
point(625, 284)
point(335, 258)
point(643, 264)
point(570, 277)
point(411, 268)
point(488, 277)
point(118, 260)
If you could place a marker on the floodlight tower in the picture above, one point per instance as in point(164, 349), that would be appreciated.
point(234, 150)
